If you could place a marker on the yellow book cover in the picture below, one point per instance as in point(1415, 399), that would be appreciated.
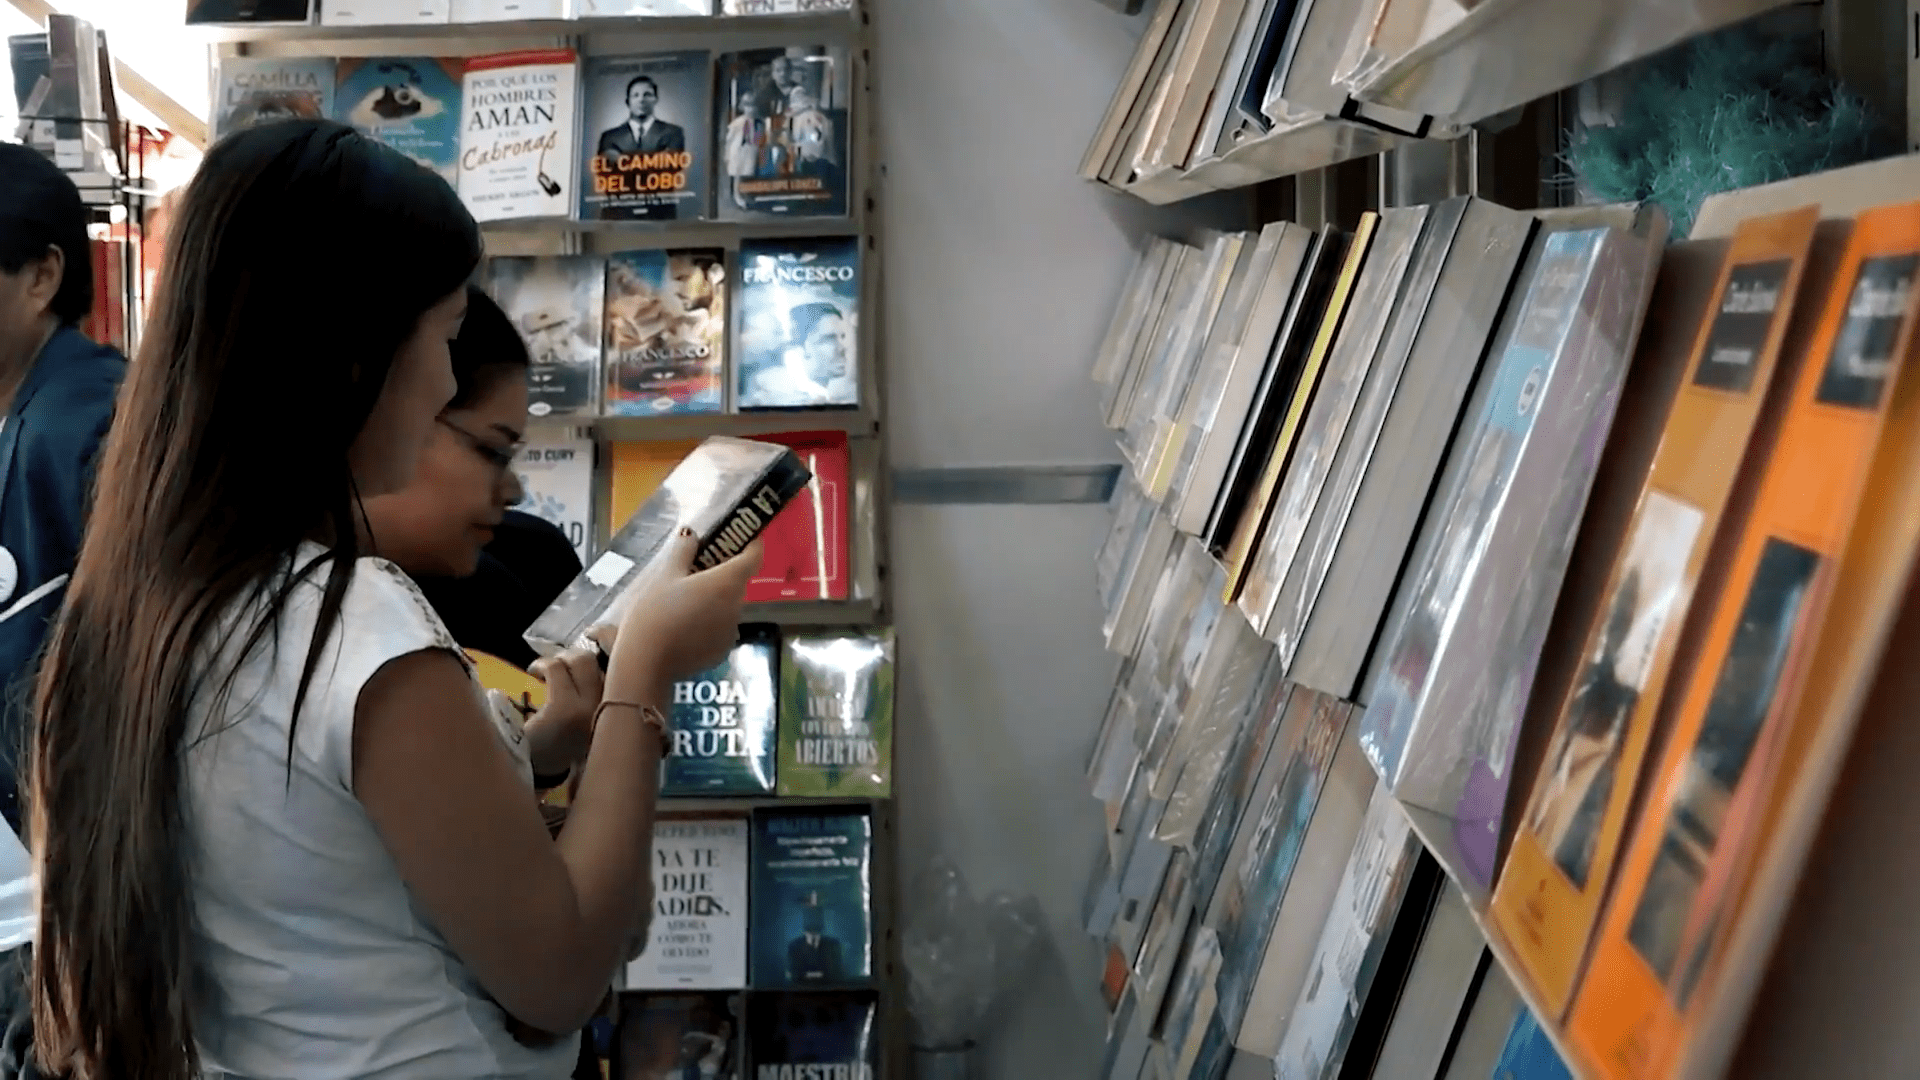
point(1705, 798)
point(1253, 519)
point(638, 470)
point(1562, 856)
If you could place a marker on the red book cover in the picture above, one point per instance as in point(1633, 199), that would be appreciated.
point(806, 545)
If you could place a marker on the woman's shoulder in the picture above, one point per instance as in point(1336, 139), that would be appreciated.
point(382, 612)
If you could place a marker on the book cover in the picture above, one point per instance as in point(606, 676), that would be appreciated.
point(806, 548)
point(781, 118)
point(666, 331)
point(1156, 445)
point(1234, 789)
point(725, 722)
point(1563, 851)
point(796, 324)
point(476, 11)
point(1704, 798)
point(814, 1036)
point(638, 469)
point(1168, 368)
point(557, 303)
point(518, 127)
point(611, 9)
point(248, 11)
point(411, 103)
point(1457, 664)
point(1528, 1054)
point(836, 714)
point(677, 1037)
point(783, 7)
point(698, 937)
point(555, 471)
point(383, 12)
point(651, 126)
point(812, 899)
point(259, 89)
point(725, 491)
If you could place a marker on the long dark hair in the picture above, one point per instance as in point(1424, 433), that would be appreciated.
point(302, 259)
point(488, 349)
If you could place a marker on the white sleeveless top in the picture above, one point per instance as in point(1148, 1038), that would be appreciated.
point(314, 961)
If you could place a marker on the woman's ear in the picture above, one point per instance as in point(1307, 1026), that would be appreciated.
point(48, 272)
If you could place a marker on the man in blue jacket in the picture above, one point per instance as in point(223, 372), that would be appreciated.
point(57, 390)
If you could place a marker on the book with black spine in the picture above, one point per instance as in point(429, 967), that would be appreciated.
point(727, 491)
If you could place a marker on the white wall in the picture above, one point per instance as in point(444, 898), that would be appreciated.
point(1001, 269)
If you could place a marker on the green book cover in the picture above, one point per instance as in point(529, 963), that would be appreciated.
point(836, 714)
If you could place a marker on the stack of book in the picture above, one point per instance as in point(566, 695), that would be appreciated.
point(1482, 579)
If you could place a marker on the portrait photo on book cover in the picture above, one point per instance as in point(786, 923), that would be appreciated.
point(1582, 762)
point(783, 131)
point(798, 325)
point(648, 118)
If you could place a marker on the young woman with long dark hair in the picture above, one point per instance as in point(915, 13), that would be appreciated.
point(278, 831)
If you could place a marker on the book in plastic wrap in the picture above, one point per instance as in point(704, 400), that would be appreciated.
point(651, 129)
point(726, 491)
point(557, 303)
point(807, 548)
point(1563, 851)
point(1456, 665)
point(797, 324)
point(411, 103)
point(248, 11)
point(477, 11)
point(665, 332)
point(555, 471)
point(678, 1037)
point(814, 1036)
point(1678, 883)
point(781, 119)
point(724, 722)
point(812, 899)
point(254, 90)
point(783, 7)
point(613, 9)
point(1233, 789)
point(836, 714)
point(1528, 1053)
point(698, 937)
point(519, 124)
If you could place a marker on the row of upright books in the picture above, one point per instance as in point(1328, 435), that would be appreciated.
point(566, 475)
point(820, 1035)
point(1528, 553)
point(375, 13)
point(680, 331)
point(753, 135)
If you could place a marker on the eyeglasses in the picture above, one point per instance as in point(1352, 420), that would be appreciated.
point(501, 458)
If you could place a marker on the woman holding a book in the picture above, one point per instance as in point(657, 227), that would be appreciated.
point(279, 832)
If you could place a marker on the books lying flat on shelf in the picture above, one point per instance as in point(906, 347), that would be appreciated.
point(1563, 852)
point(648, 130)
point(724, 722)
point(697, 939)
point(836, 714)
point(466, 11)
point(1457, 662)
point(813, 1035)
point(252, 90)
point(1678, 878)
point(411, 103)
point(797, 322)
point(812, 899)
point(557, 303)
point(520, 126)
point(678, 1035)
point(782, 131)
point(249, 11)
point(555, 472)
point(726, 492)
point(612, 9)
point(665, 332)
point(384, 12)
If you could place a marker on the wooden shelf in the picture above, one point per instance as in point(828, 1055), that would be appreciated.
point(828, 22)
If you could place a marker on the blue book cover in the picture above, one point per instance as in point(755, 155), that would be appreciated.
point(1529, 1054)
point(411, 103)
point(725, 722)
point(812, 899)
point(819, 1036)
point(797, 318)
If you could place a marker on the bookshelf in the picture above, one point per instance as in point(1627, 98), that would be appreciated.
point(866, 607)
point(1788, 983)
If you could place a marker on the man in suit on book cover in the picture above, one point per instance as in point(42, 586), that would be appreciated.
point(814, 957)
point(643, 132)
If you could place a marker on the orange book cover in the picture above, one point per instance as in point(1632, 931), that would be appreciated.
point(1704, 800)
point(1563, 852)
point(639, 468)
point(1253, 519)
